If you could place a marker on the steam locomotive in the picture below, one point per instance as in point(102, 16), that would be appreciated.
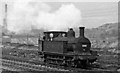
point(64, 49)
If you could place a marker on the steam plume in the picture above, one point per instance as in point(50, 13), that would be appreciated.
point(28, 14)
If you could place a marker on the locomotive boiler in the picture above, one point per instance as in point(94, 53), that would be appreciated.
point(64, 49)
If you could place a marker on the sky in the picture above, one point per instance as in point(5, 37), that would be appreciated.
point(94, 13)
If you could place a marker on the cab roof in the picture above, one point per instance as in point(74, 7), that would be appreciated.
point(55, 32)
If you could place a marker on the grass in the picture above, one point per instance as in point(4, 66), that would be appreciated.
point(20, 57)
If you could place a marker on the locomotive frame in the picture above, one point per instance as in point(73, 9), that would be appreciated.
point(67, 50)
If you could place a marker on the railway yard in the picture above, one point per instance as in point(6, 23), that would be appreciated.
point(24, 59)
point(34, 37)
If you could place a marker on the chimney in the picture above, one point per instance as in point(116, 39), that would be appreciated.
point(5, 20)
point(81, 30)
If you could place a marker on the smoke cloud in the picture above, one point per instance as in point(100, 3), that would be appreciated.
point(31, 14)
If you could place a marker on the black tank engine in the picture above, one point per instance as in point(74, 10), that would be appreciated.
point(63, 48)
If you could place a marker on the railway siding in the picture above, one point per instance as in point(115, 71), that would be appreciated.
point(27, 66)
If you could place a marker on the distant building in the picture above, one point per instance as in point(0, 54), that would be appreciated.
point(6, 39)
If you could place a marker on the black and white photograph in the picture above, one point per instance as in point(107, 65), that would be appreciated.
point(59, 36)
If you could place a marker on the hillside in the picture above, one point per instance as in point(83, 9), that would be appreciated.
point(103, 36)
point(0, 34)
point(0, 30)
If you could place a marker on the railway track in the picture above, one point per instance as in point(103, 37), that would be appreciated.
point(25, 66)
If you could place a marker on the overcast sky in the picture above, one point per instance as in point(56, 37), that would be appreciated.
point(93, 13)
